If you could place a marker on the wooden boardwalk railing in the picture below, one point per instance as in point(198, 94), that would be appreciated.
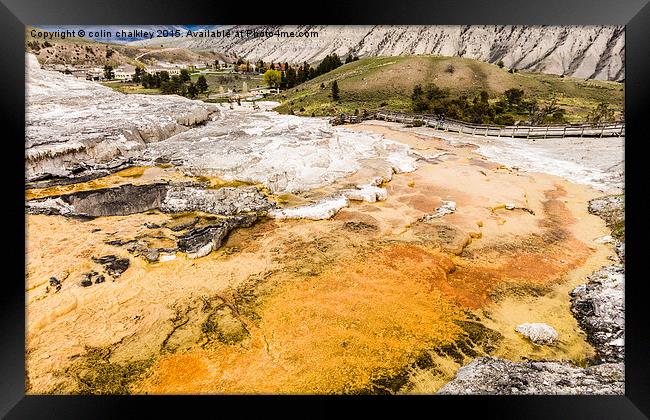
point(519, 131)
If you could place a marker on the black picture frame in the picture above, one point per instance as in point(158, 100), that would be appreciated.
point(15, 14)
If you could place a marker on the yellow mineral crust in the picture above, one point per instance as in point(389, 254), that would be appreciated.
point(378, 298)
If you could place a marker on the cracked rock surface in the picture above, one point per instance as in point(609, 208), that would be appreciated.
point(488, 375)
point(130, 199)
point(224, 201)
point(599, 307)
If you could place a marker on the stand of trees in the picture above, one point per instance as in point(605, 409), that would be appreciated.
point(291, 76)
point(181, 84)
point(432, 99)
point(351, 58)
point(328, 64)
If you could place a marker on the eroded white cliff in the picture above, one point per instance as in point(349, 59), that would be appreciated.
point(596, 52)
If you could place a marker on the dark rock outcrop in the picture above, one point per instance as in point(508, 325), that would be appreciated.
point(239, 206)
point(116, 201)
point(54, 284)
point(113, 264)
point(92, 277)
point(200, 241)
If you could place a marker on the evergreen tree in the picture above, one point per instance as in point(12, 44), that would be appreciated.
point(163, 76)
point(260, 66)
point(185, 75)
point(192, 91)
point(146, 80)
point(291, 77)
point(108, 73)
point(302, 74)
point(202, 84)
point(167, 88)
point(283, 80)
point(306, 69)
point(335, 91)
point(156, 80)
point(137, 76)
point(177, 82)
point(182, 90)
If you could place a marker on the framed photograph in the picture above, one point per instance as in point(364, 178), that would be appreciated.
point(393, 203)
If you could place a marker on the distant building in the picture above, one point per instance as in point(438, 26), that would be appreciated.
point(80, 73)
point(172, 71)
point(95, 73)
point(197, 66)
point(124, 73)
point(227, 66)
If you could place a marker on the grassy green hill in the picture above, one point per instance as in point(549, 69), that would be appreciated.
point(387, 82)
